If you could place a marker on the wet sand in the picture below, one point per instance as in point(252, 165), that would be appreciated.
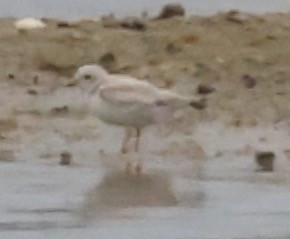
point(200, 178)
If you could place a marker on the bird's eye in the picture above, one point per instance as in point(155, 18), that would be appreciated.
point(87, 77)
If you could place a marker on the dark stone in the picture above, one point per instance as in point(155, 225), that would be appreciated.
point(32, 92)
point(249, 81)
point(171, 10)
point(65, 158)
point(205, 89)
point(133, 23)
point(11, 76)
point(63, 24)
point(265, 161)
point(172, 49)
point(60, 110)
point(200, 104)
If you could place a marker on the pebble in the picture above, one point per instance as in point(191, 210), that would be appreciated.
point(32, 92)
point(205, 89)
point(249, 81)
point(65, 158)
point(60, 110)
point(171, 10)
point(173, 49)
point(133, 23)
point(265, 161)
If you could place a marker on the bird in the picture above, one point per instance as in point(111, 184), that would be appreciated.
point(126, 101)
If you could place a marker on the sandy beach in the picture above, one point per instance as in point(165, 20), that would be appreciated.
point(201, 169)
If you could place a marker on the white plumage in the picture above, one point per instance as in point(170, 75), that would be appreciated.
point(127, 101)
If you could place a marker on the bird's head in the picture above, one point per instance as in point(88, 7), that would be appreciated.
point(90, 77)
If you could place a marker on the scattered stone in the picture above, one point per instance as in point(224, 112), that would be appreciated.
point(265, 161)
point(60, 110)
point(63, 24)
point(171, 10)
point(172, 49)
point(29, 23)
point(133, 23)
point(205, 89)
point(65, 158)
point(11, 76)
point(249, 81)
point(199, 105)
point(32, 92)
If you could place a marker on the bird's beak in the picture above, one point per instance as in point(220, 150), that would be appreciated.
point(199, 104)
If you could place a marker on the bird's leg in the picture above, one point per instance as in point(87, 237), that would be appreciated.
point(138, 167)
point(124, 147)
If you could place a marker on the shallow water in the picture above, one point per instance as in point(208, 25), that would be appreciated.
point(178, 196)
point(75, 9)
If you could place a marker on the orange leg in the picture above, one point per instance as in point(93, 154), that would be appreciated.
point(125, 147)
point(138, 167)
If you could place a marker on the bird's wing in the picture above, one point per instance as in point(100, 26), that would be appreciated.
point(128, 93)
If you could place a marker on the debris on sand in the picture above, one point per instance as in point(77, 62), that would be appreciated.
point(205, 89)
point(265, 161)
point(133, 23)
point(62, 110)
point(32, 92)
point(65, 158)
point(29, 23)
point(249, 81)
point(171, 10)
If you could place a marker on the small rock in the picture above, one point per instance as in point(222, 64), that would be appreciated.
point(63, 24)
point(172, 49)
point(32, 92)
point(205, 89)
point(171, 10)
point(199, 105)
point(11, 76)
point(265, 161)
point(133, 23)
point(249, 81)
point(60, 110)
point(65, 158)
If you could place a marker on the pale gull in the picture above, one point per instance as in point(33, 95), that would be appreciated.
point(126, 101)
